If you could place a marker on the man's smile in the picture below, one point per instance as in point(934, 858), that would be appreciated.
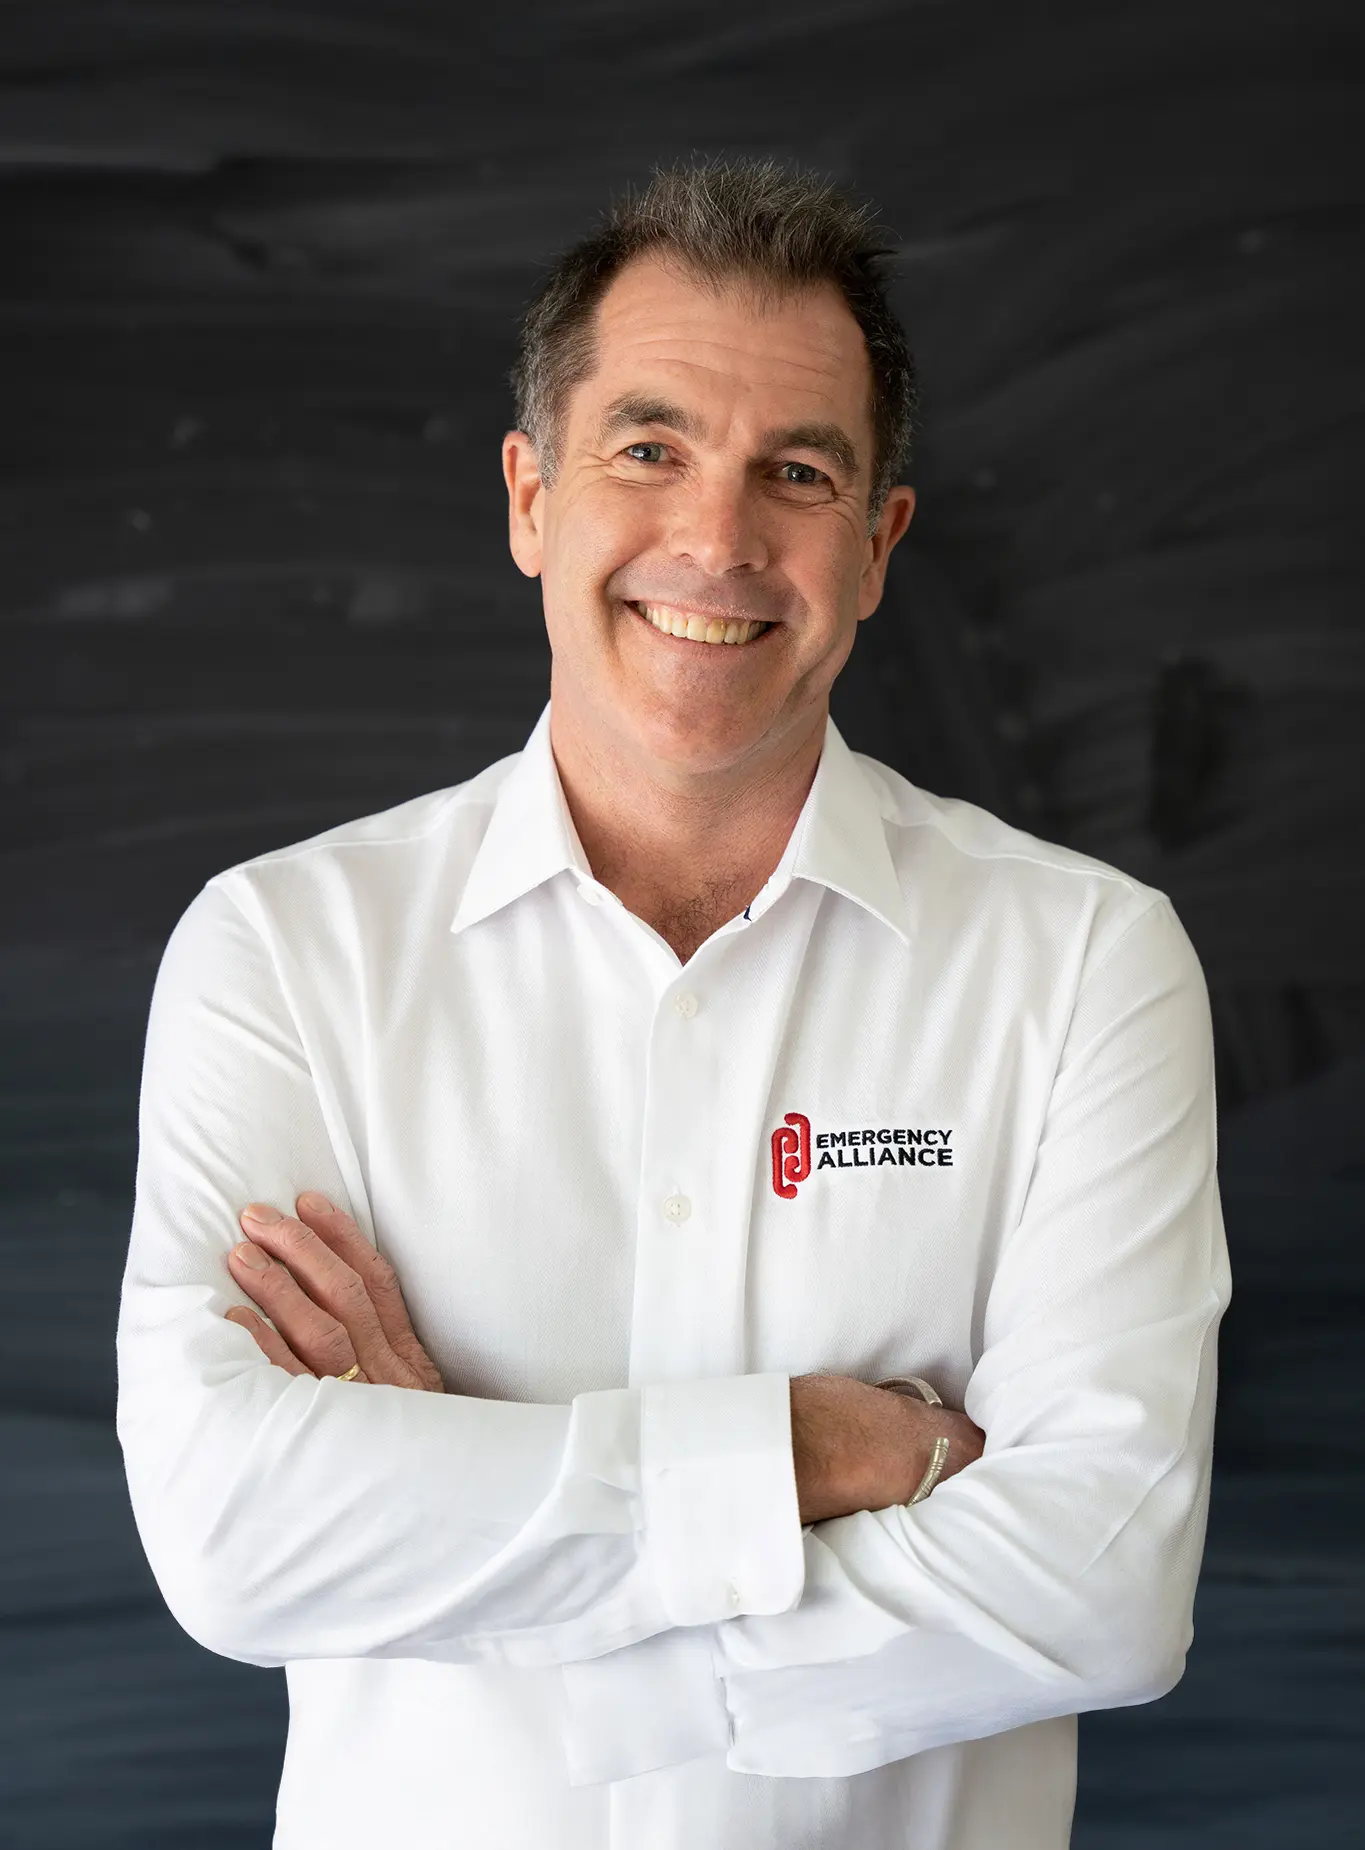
point(680, 625)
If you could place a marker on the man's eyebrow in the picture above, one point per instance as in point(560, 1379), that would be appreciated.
point(634, 409)
point(828, 440)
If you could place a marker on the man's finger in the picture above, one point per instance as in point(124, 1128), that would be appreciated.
point(271, 1344)
point(346, 1240)
point(314, 1300)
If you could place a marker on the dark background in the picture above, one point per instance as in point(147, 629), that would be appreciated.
point(263, 265)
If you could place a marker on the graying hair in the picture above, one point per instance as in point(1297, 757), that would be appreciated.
point(776, 229)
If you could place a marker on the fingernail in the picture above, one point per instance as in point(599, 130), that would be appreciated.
point(261, 1212)
point(315, 1203)
point(252, 1256)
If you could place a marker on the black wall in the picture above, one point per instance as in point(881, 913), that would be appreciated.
point(262, 268)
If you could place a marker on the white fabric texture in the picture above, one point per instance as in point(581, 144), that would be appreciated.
point(940, 1103)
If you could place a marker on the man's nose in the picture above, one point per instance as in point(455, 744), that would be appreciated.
point(717, 525)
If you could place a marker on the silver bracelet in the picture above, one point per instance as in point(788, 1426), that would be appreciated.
point(901, 1384)
point(934, 1473)
point(915, 1386)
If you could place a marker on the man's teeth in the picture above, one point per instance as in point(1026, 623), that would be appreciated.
point(698, 629)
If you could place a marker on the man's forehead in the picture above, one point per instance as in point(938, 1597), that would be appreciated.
point(657, 323)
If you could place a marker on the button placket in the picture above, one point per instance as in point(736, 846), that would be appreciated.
point(672, 1334)
point(677, 1207)
point(706, 1079)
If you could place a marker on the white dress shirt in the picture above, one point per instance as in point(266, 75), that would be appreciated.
point(940, 1102)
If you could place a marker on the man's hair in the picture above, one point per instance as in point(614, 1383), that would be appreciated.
point(723, 221)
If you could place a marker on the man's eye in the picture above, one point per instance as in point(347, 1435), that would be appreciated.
point(633, 448)
point(803, 475)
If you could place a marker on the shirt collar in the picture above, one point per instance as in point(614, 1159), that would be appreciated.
point(839, 840)
point(840, 836)
point(530, 835)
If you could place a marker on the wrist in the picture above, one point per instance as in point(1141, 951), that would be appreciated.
point(922, 1425)
point(944, 1441)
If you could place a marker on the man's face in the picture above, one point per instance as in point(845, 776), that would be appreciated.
point(713, 474)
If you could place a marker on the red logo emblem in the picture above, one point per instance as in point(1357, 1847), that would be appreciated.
point(791, 1154)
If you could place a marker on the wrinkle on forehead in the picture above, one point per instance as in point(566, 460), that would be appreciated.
point(640, 320)
point(714, 356)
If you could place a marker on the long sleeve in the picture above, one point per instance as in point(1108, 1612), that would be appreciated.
point(287, 1517)
point(1057, 1573)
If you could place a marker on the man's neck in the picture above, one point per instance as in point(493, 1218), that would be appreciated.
point(684, 853)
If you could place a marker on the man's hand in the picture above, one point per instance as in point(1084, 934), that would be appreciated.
point(333, 1299)
point(858, 1447)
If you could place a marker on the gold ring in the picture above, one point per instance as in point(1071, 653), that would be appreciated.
point(935, 1471)
point(350, 1374)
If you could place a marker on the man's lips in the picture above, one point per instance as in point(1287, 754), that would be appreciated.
point(683, 623)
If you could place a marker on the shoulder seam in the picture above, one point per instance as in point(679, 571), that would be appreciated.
point(267, 950)
point(1092, 868)
point(1157, 899)
point(293, 849)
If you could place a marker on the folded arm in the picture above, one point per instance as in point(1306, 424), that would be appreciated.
point(288, 1516)
point(1055, 1574)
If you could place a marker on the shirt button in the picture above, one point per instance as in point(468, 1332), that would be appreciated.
point(732, 1598)
point(686, 1005)
point(677, 1207)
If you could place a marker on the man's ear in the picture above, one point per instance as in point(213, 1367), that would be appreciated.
point(896, 517)
point(525, 500)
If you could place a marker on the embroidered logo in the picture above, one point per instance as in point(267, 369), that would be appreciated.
point(791, 1154)
point(903, 1146)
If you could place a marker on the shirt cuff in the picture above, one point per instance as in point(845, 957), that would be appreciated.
point(718, 1484)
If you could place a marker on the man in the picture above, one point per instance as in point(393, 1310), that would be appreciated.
point(666, 1088)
